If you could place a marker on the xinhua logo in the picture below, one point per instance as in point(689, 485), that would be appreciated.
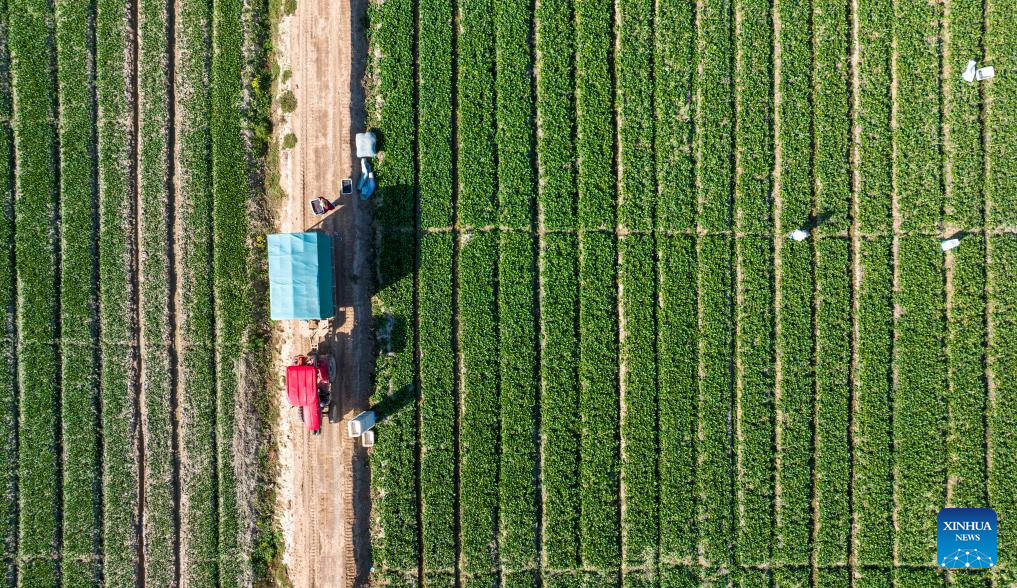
point(966, 538)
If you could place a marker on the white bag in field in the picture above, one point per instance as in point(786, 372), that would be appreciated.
point(986, 73)
point(949, 244)
point(969, 72)
point(799, 235)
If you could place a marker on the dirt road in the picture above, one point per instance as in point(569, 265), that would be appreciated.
point(323, 497)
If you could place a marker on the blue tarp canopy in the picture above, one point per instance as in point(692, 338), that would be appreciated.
point(300, 276)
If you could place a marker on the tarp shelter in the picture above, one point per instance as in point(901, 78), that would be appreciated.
point(300, 276)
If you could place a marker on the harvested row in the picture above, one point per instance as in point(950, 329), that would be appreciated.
point(157, 336)
point(831, 116)
point(517, 481)
point(634, 97)
point(514, 83)
point(917, 133)
point(964, 165)
point(1002, 363)
point(598, 402)
point(595, 123)
point(478, 439)
point(795, 395)
point(673, 72)
point(713, 452)
point(199, 472)
point(117, 250)
point(434, 112)
point(966, 397)
point(233, 293)
point(677, 385)
point(875, 149)
point(81, 525)
point(477, 169)
point(1000, 121)
point(638, 327)
point(37, 309)
point(559, 396)
point(437, 403)
point(754, 423)
point(832, 452)
point(394, 497)
point(873, 459)
point(918, 413)
point(714, 115)
point(555, 119)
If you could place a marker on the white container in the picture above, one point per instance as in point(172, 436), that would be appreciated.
point(949, 244)
point(969, 71)
point(360, 424)
point(985, 73)
point(799, 235)
point(367, 439)
point(366, 145)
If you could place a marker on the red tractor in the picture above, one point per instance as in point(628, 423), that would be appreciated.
point(308, 387)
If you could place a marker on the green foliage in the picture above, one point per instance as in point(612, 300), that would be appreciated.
point(476, 162)
point(714, 115)
point(478, 455)
point(594, 114)
point(634, 97)
point(559, 396)
point(830, 115)
point(434, 112)
point(289, 141)
point(875, 164)
point(1000, 135)
point(288, 101)
point(514, 111)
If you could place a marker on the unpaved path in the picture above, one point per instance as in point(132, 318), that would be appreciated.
point(322, 45)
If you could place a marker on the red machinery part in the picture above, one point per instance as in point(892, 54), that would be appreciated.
point(302, 390)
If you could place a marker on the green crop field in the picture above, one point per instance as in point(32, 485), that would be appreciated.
point(613, 368)
point(125, 310)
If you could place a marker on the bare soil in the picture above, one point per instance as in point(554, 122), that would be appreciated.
point(324, 499)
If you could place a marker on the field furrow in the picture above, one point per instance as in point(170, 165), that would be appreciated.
point(476, 163)
point(917, 134)
point(919, 414)
point(832, 452)
point(434, 111)
point(966, 392)
point(1000, 122)
point(514, 104)
point(716, 479)
point(714, 115)
point(873, 442)
point(478, 439)
point(517, 483)
point(674, 70)
point(117, 251)
point(559, 396)
point(875, 163)
point(634, 96)
point(393, 485)
point(198, 476)
point(795, 398)
point(437, 404)
point(754, 384)
point(1002, 415)
point(36, 211)
point(677, 377)
point(595, 113)
point(81, 525)
point(598, 405)
point(637, 259)
point(233, 292)
point(556, 117)
point(155, 273)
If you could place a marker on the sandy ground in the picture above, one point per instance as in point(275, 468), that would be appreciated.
point(323, 499)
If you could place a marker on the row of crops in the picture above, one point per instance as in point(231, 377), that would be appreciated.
point(600, 360)
point(123, 179)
